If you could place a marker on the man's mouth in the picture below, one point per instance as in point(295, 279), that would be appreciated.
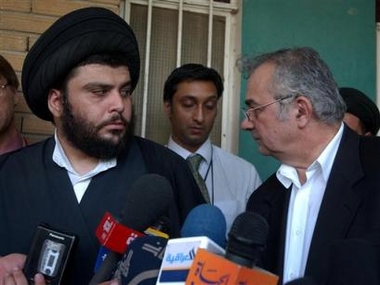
point(195, 130)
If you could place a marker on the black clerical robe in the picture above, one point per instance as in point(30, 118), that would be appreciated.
point(34, 190)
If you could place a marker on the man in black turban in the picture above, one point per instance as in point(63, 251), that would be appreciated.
point(80, 75)
point(362, 114)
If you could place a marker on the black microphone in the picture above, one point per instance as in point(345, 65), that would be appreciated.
point(143, 258)
point(150, 189)
point(141, 261)
point(247, 239)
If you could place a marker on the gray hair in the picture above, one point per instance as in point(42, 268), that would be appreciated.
point(301, 71)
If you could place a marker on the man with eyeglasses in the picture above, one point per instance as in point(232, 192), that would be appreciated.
point(322, 204)
point(10, 137)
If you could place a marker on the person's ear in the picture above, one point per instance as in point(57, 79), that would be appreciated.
point(168, 108)
point(304, 110)
point(55, 102)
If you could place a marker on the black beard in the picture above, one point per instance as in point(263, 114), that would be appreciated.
point(84, 135)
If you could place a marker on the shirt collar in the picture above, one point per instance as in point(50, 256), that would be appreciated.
point(205, 150)
point(287, 174)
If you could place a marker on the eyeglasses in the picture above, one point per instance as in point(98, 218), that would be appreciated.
point(250, 112)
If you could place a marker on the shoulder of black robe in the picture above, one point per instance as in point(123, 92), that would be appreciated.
point(35, 190)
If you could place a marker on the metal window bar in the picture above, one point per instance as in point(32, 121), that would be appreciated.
point(179, 32)
point(201, 7)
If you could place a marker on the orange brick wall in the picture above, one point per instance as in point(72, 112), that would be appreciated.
point(21, 23)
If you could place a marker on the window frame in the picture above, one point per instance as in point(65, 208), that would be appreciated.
point(232, 48)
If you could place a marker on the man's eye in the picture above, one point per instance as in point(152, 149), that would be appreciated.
point(125, 92)
point(188, 104)
point(211, 105)
point(99, 91)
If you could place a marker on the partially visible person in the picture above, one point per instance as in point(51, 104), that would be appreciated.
point(362, 114)
point(324, 198)
point(10, 137)
point(191, 95)
point(80, 75)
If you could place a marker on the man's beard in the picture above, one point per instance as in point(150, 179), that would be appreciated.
point(84, 135)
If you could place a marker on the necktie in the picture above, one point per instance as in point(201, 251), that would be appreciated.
point(194, 162)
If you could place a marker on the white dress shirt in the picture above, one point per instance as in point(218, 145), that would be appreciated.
point(304, 204)
point(79, 182)
point(230, 179)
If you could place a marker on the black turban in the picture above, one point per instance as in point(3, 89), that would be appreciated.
point(70, 40)
point(359, 105)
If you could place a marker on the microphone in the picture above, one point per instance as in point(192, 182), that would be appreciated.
point(113, 236)
point(206, 220)
point(246, 240)
point(142, 260)
point(204, 225)
point(150, 189)
point(160, 228)
point(119, 239)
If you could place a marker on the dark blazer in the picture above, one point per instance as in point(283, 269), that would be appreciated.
point(349, 215)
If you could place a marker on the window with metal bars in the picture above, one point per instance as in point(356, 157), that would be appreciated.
point(174, 32)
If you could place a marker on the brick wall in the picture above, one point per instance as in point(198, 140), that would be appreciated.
point(21, 23)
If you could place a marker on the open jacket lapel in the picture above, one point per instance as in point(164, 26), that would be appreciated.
point(339, 204)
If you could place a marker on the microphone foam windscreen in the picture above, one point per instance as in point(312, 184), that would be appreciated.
point(247, 237)
point(206, 220)
point(148, 199)
point(152, 190)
